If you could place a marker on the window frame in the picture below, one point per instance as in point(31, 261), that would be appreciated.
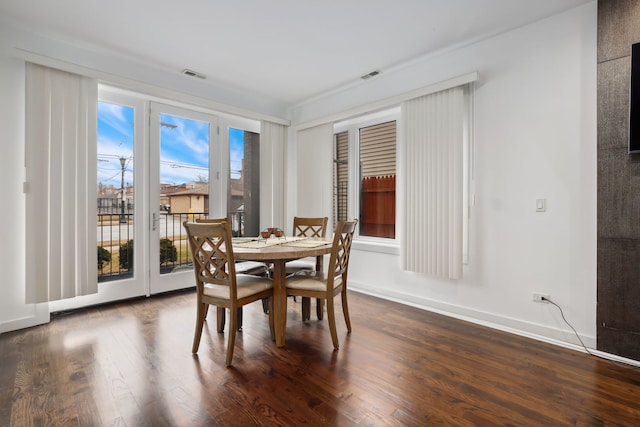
point(353, 126)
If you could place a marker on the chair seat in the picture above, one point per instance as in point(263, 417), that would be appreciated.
point(247, 285)
point(311, 281)
point(251, 267)
point(294, 266)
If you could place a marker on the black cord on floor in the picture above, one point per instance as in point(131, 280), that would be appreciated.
point(565, 321)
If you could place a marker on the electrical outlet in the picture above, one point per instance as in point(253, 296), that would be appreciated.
point(541, 297)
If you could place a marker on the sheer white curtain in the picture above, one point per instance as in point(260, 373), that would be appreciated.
point(433, 131)
point(61, 258)
point(315, 165)
point(273, 141)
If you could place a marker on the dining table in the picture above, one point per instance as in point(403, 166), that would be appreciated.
point(277, 251)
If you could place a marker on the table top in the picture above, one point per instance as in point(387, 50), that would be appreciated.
point(288, 249)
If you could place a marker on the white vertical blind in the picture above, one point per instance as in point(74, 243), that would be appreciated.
point(432, 239)
point(273, 140)
point(314, 162)
point(61, 239)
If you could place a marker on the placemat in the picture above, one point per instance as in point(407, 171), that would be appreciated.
point(307, 243)
point(263, 243)
point(237, 240)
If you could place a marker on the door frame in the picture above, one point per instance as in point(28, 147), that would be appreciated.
point(159, 283)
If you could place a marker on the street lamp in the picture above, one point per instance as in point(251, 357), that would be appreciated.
point(123, 219)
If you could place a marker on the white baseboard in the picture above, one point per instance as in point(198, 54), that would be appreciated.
point(40, 317)
point(563, 338)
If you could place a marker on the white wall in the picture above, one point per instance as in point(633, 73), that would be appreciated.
point(12, 214)
point(535, 137)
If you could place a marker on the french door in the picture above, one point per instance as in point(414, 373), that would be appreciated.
point(184, 182)
point(158, 166)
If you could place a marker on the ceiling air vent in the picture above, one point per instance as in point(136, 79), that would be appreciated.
point(371, 74)
point(192, 73)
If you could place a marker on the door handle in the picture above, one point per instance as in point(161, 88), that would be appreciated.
point(154, 221)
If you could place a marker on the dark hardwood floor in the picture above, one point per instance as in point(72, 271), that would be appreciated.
point(130, 364)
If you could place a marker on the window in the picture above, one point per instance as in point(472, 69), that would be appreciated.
point(377, 144)
point(371, 173)
point(115, 189)
point(243, 191)
point(427, 221)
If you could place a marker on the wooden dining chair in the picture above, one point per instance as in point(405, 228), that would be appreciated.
point(326, 286)
point(308, 227)
point(216, 280)
point(242, 267)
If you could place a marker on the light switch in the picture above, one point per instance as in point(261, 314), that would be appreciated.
point(541, 205)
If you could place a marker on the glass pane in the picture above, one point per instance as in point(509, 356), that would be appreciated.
point(184, 185)
point(243, 195)
point(115, 191)
point(378, 180)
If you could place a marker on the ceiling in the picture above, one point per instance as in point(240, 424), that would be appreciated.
point(290, 51)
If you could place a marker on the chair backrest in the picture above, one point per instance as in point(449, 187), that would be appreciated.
point(212, 253)
point(310, 227)
point(340, 251)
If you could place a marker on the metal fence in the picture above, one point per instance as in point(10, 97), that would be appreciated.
point(116, 241)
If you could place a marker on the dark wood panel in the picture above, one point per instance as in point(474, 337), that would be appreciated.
point(617, 28)
point(618, 184)
point(129, 364)
point(619, 296)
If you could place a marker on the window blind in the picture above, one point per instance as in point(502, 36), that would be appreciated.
point(378, 149)
point(61, 245)
point(341, 177)
point(273, 140)
point(433, 129)
point(314, 161)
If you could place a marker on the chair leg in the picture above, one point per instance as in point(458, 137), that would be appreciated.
point(221, 312)
point(306, 309)
point(200, 316)
point(331, 317)
point(265, 305)
point(320, 308)
point(239, 314)
point(233, 326)
point(272, 328)
point(345, 309)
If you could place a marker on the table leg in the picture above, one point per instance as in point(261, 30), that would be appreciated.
point(319, 301)
point(319, 262)
point(279, 301)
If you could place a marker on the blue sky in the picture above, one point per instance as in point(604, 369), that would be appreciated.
point(184, 149)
